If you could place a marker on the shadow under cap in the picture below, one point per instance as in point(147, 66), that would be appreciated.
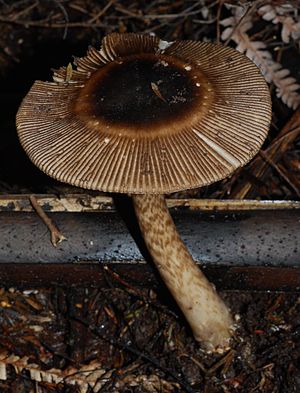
point(69, 135)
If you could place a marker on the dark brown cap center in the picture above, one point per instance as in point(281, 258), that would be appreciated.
point(143, 90)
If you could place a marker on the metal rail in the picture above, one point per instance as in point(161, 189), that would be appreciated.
point(238, 238)
point(242, 244)
point(89, 203)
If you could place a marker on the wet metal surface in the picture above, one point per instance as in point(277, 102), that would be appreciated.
point(228, 239)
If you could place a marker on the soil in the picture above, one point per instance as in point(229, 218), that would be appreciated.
point(140, 338)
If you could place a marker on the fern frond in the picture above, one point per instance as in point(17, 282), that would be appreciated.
point(286, 86)
point(284, 14)
point(88, 376)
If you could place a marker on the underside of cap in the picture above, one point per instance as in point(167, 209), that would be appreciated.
point(142, 115)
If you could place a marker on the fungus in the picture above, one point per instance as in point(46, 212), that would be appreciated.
point(146, 117)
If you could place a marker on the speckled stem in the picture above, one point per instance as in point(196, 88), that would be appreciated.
point(205, 311)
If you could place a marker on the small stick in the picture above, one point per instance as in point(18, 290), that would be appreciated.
point(156, 91)
point(247, 13)
point(56, 235)
point(123, 282)
point(218, 20)
point(280, 172)
point(259, 167)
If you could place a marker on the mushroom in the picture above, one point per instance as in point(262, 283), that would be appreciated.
point(147, 117)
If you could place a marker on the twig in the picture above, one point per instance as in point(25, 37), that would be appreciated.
point(218, 20)
point(120, 280)
point(129, 348)
point(45, 23)
point(80, 9)
point(66, 16)
point(26, 10)
point(137, 293)
point(225, 360)
point(157, 92)
point(280, 172)
point(102, 12)
point(259, 167)
point(248, 11)
point(187, 12)
point(56, 235)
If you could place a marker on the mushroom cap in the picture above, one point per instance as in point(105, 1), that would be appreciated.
point(142, 115)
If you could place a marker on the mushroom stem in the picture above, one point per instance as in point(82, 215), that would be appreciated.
point(207, 314)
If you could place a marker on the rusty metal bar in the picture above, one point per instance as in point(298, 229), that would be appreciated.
point(257, 278)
